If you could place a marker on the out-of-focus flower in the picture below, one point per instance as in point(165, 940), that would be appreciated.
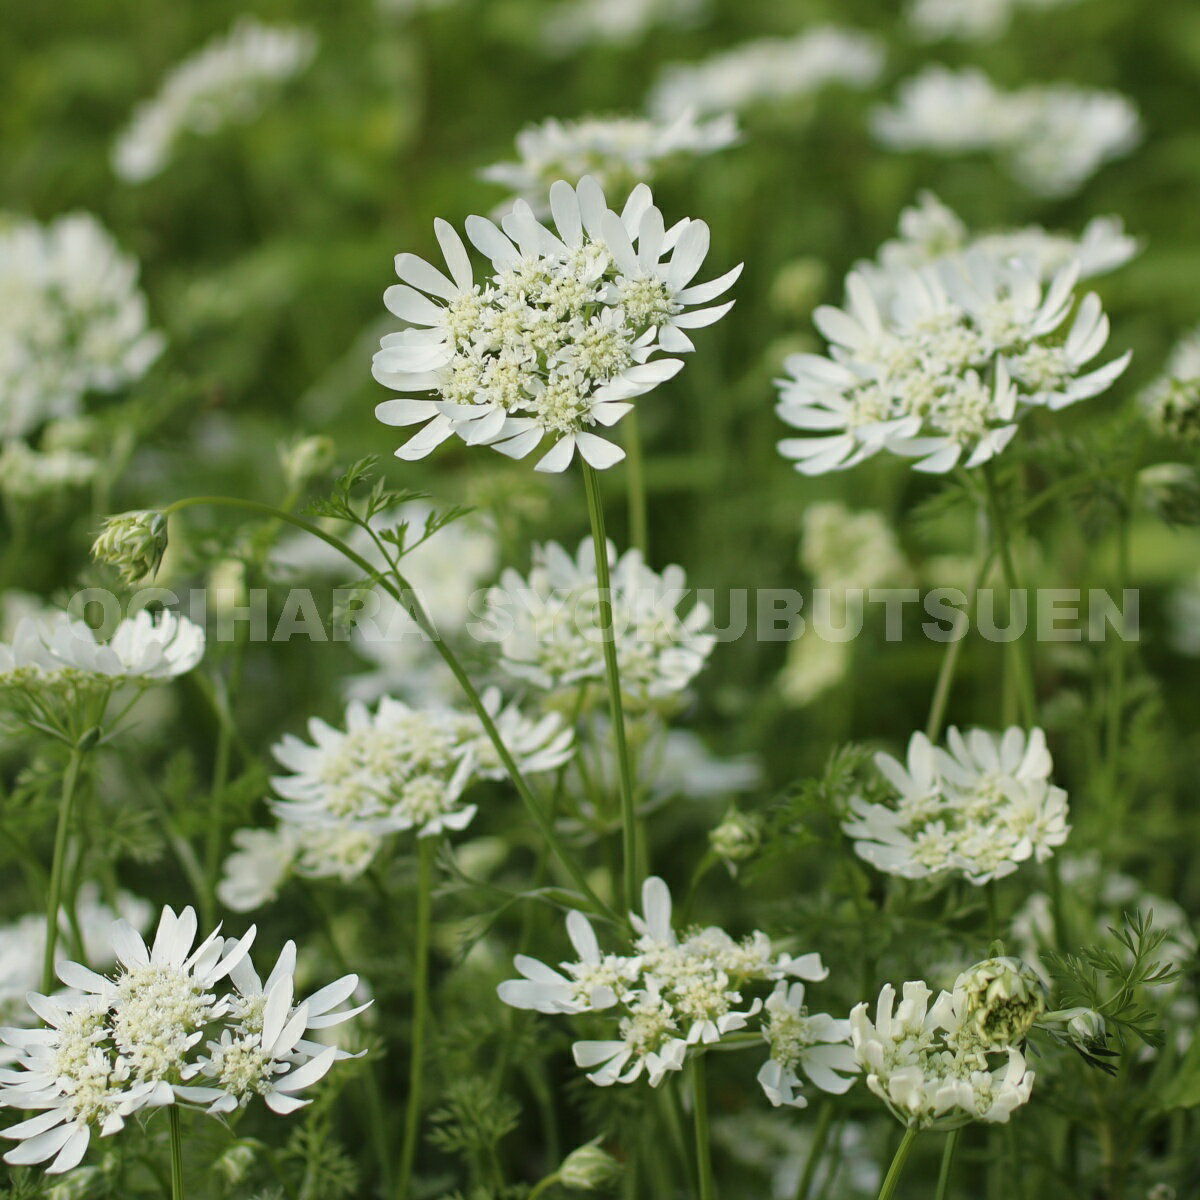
point(547, 625)
point(980, 809)
point(1172, 402)
point(74, 321)
point(618, 152)
point(559, 339)
point(769, 70)
point(1051, 137)
point(588, 1168)
point(228, 81)
point(27, 474)
point(736, 838)
point(577, 24)
point(843, 549)
point(968, 20)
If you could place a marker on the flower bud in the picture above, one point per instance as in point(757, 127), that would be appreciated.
point(304, 459)
point(588, 1169)
point(737, 837)
point(1001, 998)
point(134, 543)
point(1173, 406)
point(1172, 492)
point(235, 1163)
point(1086, 1026)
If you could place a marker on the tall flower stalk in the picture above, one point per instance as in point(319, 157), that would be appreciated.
point(62, 832)
point(613, 674)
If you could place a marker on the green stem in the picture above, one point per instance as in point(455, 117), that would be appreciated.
point(819, 1138)
point(216, 803)
point(58, 864)
point(1002, 540)
point(412, 1113)
point(635, 479)
point(176, 1154)
point(943, 1183)
point(898, 1160)
point(404, 596)
point(542, 1186)
point(700, 1117)
point(616, 707)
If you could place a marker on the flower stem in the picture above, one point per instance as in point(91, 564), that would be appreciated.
point(406, 597)
point(1002, 540)
point(58, 863)
point(412, 1113)
point(176, 1154)
point(635, 479)
point(816, 1152)
point(943, 1183)
point(543, 1185)
point(892, 1178)
point(616, 707)
point(700, 1117)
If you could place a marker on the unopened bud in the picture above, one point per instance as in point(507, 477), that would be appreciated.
point(1001, 998)
point(306, 458)
point(588, 1169)
point(133, 542)
point(737, 837)
point(235, 1163)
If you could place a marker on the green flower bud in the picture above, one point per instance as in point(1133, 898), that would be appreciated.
point(589, 1168)
point(1173, 406)
point(134, 543)
point(1172, 492)
point(235, 1163)
point(1001, 998)
point(737, 837)
point(306, 458)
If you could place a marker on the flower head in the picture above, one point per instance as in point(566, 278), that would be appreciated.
point(668, 994)
point(548, 624)
point(133, 542)
point(558, 339)
point(814, 1043)
point(980, 808)
point(999, 999)
point(919, 1064)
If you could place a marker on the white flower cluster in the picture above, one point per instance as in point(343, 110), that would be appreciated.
point(618, 152)
point(980, 809)
point(27, 474)
point(561, 336)
point(1051, 137)
point(1172, 402)
point(392, 769)
point(60, 653)
point(928, 1066)
point(229, 80)
point(74, 320)
point(968, 20)
point(843, 549)
point(933, 235)
point(548, 624)
point(672, 994)
point(769, 70)
point(577, 24)
point(112, 1047)
point(939, 362)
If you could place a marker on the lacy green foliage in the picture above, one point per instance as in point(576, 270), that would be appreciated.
point(1109, 979)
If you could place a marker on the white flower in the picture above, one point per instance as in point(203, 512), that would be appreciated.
point(769, 70)
point(115, 1046)
point(917, 1062)
point(814, 665)
point(228, 81)
point(1172, 402)
point(981, 809)
point(815, 1043)
point(666, 994)
point(74, 322)
point(618, 152)
point(559, 339)
point(1052, 138)
point(255, 871)
point(548, 630)
point(968, 20)
point(943, 366)
point(27, 474)
point(843, 549)
point(576, 24)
